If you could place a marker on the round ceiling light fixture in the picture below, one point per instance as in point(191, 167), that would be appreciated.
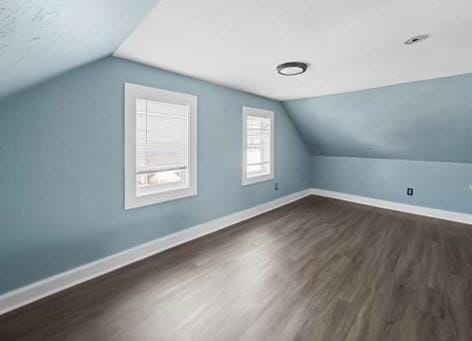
point(417, 39)
point(292, 68)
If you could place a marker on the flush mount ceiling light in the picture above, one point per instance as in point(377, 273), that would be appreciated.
point(417, 39)
point(292, 68)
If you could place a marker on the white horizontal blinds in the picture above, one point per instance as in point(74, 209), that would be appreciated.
point(162, 146)
point(258, 148)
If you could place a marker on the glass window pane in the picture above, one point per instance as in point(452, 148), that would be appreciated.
point(258, 149)
point(162, 146)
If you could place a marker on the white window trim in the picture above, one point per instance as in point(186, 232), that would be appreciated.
point(248, 111)
point(133, 91)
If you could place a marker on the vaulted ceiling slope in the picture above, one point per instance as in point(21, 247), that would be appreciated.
point(42, 38)
point(427, 120)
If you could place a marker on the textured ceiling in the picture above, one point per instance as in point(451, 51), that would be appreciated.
point(427, 120)
point(42, 38)
point(350, 45)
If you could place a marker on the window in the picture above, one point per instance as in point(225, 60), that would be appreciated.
point(160, 145)
point(258, 145)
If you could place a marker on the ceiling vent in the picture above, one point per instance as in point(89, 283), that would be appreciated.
point(417, 39)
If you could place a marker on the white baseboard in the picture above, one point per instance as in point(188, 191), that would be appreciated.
point(48, 286)
point(395, 206)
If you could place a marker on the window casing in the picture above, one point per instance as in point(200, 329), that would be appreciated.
point(258, 145)
point(160, 145)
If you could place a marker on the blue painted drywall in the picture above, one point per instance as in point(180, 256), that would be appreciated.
point(42, 38)
point(378, 142)
point(61, 168)
point(442, 185)
point(428, 120)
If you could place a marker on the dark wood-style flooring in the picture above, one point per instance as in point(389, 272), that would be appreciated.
point(317, 269)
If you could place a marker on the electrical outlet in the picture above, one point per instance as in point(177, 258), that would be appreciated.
point(276, 187)
point(470, 187)
point(409, 191)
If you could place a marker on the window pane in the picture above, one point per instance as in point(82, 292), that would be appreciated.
point(257, 170)
point(161, 146)
point(158, 182)
point(258, 149)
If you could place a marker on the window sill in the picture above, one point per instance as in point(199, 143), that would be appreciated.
point(152, 199)
point(257, 179)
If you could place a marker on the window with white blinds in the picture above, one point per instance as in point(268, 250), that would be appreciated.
point(164, 143)
point(258, 146)
point(161, 146)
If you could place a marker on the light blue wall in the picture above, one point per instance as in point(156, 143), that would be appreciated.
point(378, 142)
point(61, 168)
point(61, 159)
point(442, 185)
point(42, 38)
point(428, 120)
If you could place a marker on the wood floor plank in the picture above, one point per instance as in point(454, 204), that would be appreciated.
point(317, 269)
